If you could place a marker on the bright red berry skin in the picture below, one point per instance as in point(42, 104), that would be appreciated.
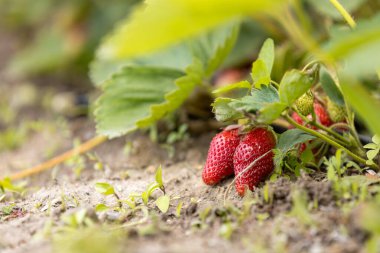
point(254, 144)
point(219, 163)
point(322, 115)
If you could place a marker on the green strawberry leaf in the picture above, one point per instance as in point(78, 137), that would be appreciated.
point(286, 142)
point(259, 98)
point(271, 112)
point(149, 28)
point(139, 95)
point(224, 112)
point(293, 85)
point(291, 138)
point(330, 87)
point(176, 57)
point(260, 74)
point(262, 67)
point(239, 85)
point(128, 98)
point(210, 48)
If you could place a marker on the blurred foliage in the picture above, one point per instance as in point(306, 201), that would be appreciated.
point(58, 36)
point(303, 31)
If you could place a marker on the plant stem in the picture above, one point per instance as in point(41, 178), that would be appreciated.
point(329, 140)
point(84, 147)
point(339, 7)
point(313, 122)
point(332, 132)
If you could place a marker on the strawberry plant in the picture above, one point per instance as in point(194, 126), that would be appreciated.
point(317, 79)
point(145, 76)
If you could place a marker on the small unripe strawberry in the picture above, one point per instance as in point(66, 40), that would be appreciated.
point(337, 113)
point(219, 163)
point(304, 104)
point(253, 145)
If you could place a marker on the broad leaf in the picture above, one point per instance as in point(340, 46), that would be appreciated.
point(259, 98)
point(176, 57)
point(287, 141)
point(293, 85)
point(210, 48)
point(224, 112)
point(330, 87)
point(292, 137)
point(129, 96)
point(150, 28)
point(184, 86)
point(271, 112)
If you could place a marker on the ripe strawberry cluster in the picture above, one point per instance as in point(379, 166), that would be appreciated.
point(247, 155)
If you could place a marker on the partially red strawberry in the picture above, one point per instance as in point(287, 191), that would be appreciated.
point(321, 113)
point(219, 163)
point(254, 144)
point(322, 117)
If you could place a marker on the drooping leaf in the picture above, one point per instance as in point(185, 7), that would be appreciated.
point(184, 85)
point(176, 57)
point(293, 85)
point(139, 95)
point(150, 28)
point(128, 98)
point(330, 87)
point(210, 48)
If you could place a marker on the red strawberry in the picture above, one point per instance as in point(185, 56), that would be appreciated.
point(219, 162)
point(254, 144)
point(322, 115)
